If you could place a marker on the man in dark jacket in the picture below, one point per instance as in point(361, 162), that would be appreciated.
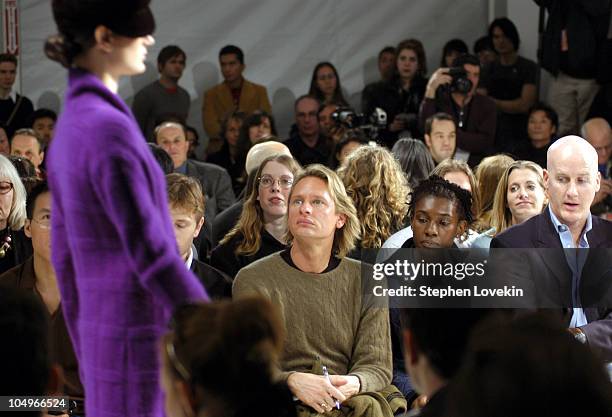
point(571, 181)
point(475, 115)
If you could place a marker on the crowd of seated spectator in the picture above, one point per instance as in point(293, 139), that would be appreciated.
point(477, 165)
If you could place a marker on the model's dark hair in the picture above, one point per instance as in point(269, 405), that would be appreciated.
point(232, 49)
point(76, 22)
point(454, 45)
point(169, 52)
point(438, 187)
point(509, 30)
point(415, 160)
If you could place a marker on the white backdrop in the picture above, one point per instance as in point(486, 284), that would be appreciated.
point(282, 40)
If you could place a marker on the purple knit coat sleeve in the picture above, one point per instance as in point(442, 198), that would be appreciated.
point(114, 251)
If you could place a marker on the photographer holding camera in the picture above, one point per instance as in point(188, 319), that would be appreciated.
point(453, 91)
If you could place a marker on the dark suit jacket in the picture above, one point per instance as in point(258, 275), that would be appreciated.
point(216, 184)
point(225, 220)
point(217, 284)
point(539, 232)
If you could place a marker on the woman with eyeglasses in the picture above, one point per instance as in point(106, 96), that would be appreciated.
point(219, 359)
point(15, 247)
point(261, 229)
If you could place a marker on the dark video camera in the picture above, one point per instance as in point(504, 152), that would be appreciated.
point(460, 83)
point(347, 117)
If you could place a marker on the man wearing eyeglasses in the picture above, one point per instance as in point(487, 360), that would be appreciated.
point(307, 143)
point(36, 274)
point(598, 133)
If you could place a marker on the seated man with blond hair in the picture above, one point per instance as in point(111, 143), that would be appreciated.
point(329, 323)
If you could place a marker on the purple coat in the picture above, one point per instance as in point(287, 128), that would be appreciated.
point(114, 251)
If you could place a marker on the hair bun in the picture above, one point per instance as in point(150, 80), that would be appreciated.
point(61, 49)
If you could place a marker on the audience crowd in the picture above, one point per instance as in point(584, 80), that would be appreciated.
point(469, 157)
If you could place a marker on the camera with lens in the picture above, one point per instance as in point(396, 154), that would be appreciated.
point(371, 124)
point(460, 83)
point(345, 117)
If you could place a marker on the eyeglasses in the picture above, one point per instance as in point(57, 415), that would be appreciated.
point(5, 187)
point(267, 181)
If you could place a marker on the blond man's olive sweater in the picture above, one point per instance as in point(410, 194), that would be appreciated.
point(327, 321)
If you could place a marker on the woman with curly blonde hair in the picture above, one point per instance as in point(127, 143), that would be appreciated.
point(260, 230)
point(375, 181)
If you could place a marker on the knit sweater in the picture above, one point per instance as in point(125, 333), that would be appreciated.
point(155, 101)
point(326, 320)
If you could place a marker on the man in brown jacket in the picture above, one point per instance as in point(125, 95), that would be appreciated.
point(234, 93)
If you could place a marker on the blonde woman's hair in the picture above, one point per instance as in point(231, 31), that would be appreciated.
point(488, 174)
point(375, 181)
point(346, 237)
point(452, 165)
point(501, 217)
point(251, 224)
point(17, 215)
